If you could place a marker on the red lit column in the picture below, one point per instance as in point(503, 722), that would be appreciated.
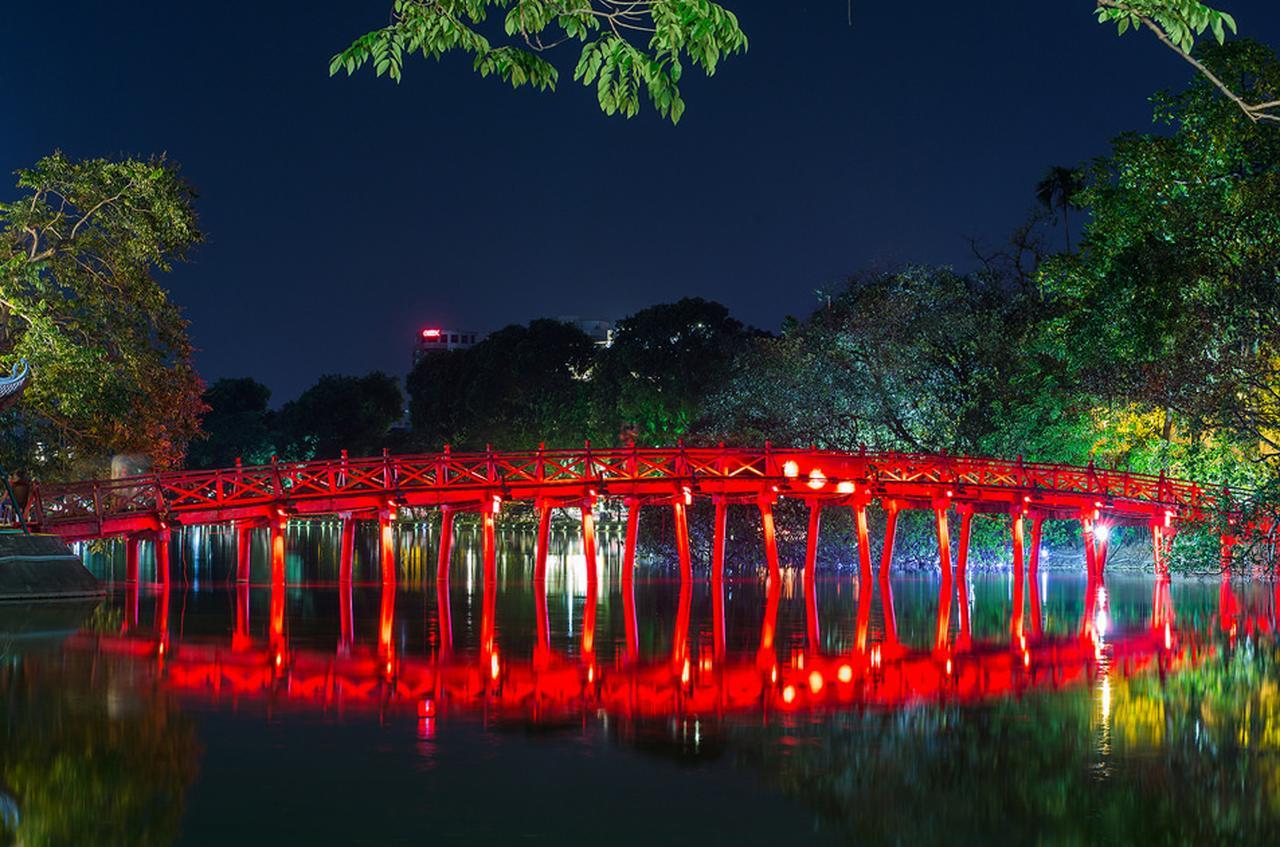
point(811, 542)
point(162, 556)
point(544, 538)
point(387, 544)
point(277, 529)
point(243, 552)
point(890, 532)
point(346, 616)
point(131, 544)
point(386, 622)
point(240, 639)
point(770, 540)
point(542, 643)
point(489, 554)
point(1019, 556)
point(446, 548)
point(717, 579)
point(864, 541)
point(589, 540)
point(347, 555)
point(276, 534)
point(966, 530)
point(1090, 549)
point(628, 580)
point(944, 562)
point(769, 626)
point(682, 537)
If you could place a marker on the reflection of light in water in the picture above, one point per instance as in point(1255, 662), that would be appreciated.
point(1100, 622)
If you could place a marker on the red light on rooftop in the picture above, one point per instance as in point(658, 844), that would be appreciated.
point(431, 333)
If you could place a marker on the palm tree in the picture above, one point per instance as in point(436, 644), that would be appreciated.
point(1057, 189)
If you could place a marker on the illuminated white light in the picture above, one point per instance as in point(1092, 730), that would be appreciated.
point(1102, 532)
point(1100, 622)
point(790, 469)
point(845, 487)
point(817, 479)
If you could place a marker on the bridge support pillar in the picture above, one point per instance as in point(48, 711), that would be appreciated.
point(811, 543)
point(966, 531)
point(770, 540)
point(1018, 626)
point(387, 545)
point(718, 539)
point(489, 554)
point(945, 591)
point(347, 555)
point(162, 555)
point(890, 534)
point(632, 631)
point(588, 540)
point(445, 552)
point(544, 538)
point(1033, 555)
point(240, 639)
point(131, 545)
point(1088, 522)
point(864, 542)
point(243, 551)
point(276, 535)
point(680, 512)
point(1228, 541)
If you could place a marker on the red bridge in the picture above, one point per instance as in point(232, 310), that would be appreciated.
point(146, 507)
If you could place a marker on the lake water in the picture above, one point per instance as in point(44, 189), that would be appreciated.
point(316, 714)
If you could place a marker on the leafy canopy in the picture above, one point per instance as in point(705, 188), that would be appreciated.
point(629, 47)
point(79, 253)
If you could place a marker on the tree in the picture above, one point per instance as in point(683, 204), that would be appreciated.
point(664, 362)
point(1058, 190)
point(352, 413)
point(521, 386)
point(912, 360)
point(1169, 315)
point(630, 45)
point(238, 425)
point(628, 48)
point(79, 253)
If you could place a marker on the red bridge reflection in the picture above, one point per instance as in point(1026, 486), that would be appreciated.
point(550, 684)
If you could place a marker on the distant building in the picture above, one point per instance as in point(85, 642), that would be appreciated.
point(600, 331)
point(438, 340)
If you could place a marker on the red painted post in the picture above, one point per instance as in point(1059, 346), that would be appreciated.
point(162, 556)
point(718, 540)
point(769, 625)
point(770, 540)
point(864, 542)
point(386, 622)
point(277, 528)
point(1227, 543)
point(1018, 626)
point(387, 545)
point(966, 530)
point(589, 605)
point(544, 538)
point(244, 550)
point(131, 559)
point(811, 543)
point(489, 554)
point(1033, 559)
point(589, 540)
point(347, 556)
point(863, 627)
point(1090, 550)
point(628, 581)
point(682, 539)
point(446, 548)
point(890, 532)
point(946, 590)
point(680, 640)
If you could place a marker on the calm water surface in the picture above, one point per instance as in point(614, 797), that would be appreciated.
point(212, 714)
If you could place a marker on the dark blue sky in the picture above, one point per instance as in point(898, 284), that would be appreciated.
point(344, 214)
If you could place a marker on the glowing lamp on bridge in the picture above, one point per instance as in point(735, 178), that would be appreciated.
point(816, 682)
point(789, 694)
point(1102, 532)
point(845, 674)
point(845, 487)
point(790, 469)
point(817, 479)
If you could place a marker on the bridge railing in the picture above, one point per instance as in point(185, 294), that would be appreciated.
point(244, 486)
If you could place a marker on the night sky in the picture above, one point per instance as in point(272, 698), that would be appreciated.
point(344, 214)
